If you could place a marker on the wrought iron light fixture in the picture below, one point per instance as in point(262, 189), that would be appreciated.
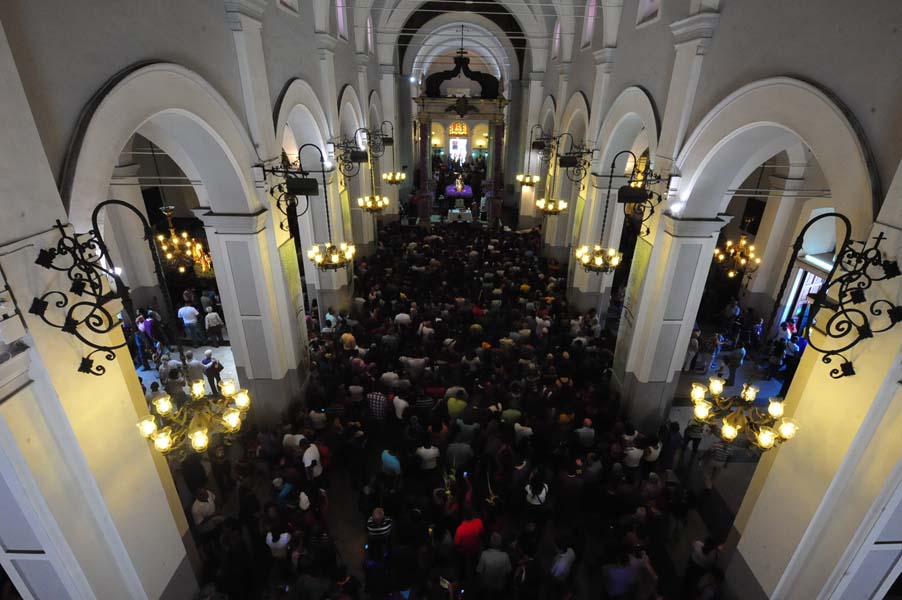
point(525, 179)
point(91, 303)
point(856, 269)
point(739, 414)
point(638, 199)
point(387, 133)
point(373, 204)
point(600, 259)
point(182, 252)
point(171, 429)
point(551, 207)
point(738, 259)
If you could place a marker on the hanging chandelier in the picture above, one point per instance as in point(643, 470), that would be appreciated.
point(598, 259)
point(394, 177)
point(527, 180)
point(329, 257)
point(172, 429)
point(735, 414)
point(373, 204)
point(551, 207)
point(182, 252)
point(738, 258)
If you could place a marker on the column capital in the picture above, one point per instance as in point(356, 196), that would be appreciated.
point(604, 56)
point(697, 30)
point(564, 69)
point(362, 59)
point(695, 228)
point(536, 75)
point(240, 13)
point(232, 223)
point(326, 42)
point(388, 70)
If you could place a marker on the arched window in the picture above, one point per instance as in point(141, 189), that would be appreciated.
point(556, 40)
point(341, 18)
point(589, 23)
point(370, 36)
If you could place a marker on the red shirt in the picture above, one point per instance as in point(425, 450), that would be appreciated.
point(467, 538)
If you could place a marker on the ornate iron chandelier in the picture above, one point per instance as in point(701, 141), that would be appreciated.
point(738, 259)
point(598, 259)
point(551, 207)
point(638, 199)
point(738, 414)
point(373, 204)
point(181, 251)
point(171, 429)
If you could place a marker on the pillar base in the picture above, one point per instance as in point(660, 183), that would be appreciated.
point(646, 403)
point(271, 398)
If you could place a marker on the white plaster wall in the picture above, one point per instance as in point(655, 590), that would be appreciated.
point(852, 48)
point(289, 45)
point(66, 50)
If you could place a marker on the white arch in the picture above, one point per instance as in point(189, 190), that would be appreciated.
point(349, 101)
point(186, 116)
point(393, 20)
point(576, 107)
point(424, 49)
point(761, 119)
point(375, 108)
point(299, 93)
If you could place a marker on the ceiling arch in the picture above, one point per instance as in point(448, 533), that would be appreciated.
point(401, 17)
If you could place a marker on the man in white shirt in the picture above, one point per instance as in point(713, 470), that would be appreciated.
point(203, 511)
point(428, 455)
point(400, 405)
point(311, 460)
point(188, 314)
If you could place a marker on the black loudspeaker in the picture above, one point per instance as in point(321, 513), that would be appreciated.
point(538, 145)
point(631, 195)
point(388, 140)
point(567, 162)
point(302, 186)
point(358, 156)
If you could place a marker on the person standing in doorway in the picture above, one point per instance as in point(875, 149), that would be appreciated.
point(188, 314)
point(212, 369)
point(213, 324)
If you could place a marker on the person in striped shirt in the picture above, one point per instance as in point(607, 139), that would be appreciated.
point(378, 528)
point(714, 460)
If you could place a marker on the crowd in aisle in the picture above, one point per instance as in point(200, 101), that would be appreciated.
point(470, 408)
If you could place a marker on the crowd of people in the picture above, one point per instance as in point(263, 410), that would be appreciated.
point(468, 409)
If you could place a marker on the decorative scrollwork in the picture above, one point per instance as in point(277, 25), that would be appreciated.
point(90, 305)
point(856, 268)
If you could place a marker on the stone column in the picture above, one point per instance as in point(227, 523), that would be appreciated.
point(659, 314)
point(388, 85)
point(425, 167)
point(262, 327)
point(362, 221)
point(493, 211)
point(527, 216)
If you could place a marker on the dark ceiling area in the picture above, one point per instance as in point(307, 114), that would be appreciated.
point(492, 11)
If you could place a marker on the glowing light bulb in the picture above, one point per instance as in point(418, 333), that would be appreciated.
point(162, 440)
point(767, 437)
point(198, 389)
point(729, 432)
point(697, 393)
point(788, 429)
point(169, 256)
point(232, 419)
point(701, 410)
point(242, 400)
point(227, 387)
point(147, 427)
point(163, 404)
point(715, 386)
point(199, 439)
point(749, 393)
point(775, 408)
point(161, 237)
point(181, 269)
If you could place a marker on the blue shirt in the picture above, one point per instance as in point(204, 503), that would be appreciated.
point(390, 464)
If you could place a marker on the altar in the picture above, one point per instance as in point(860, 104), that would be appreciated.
point(457, 215)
